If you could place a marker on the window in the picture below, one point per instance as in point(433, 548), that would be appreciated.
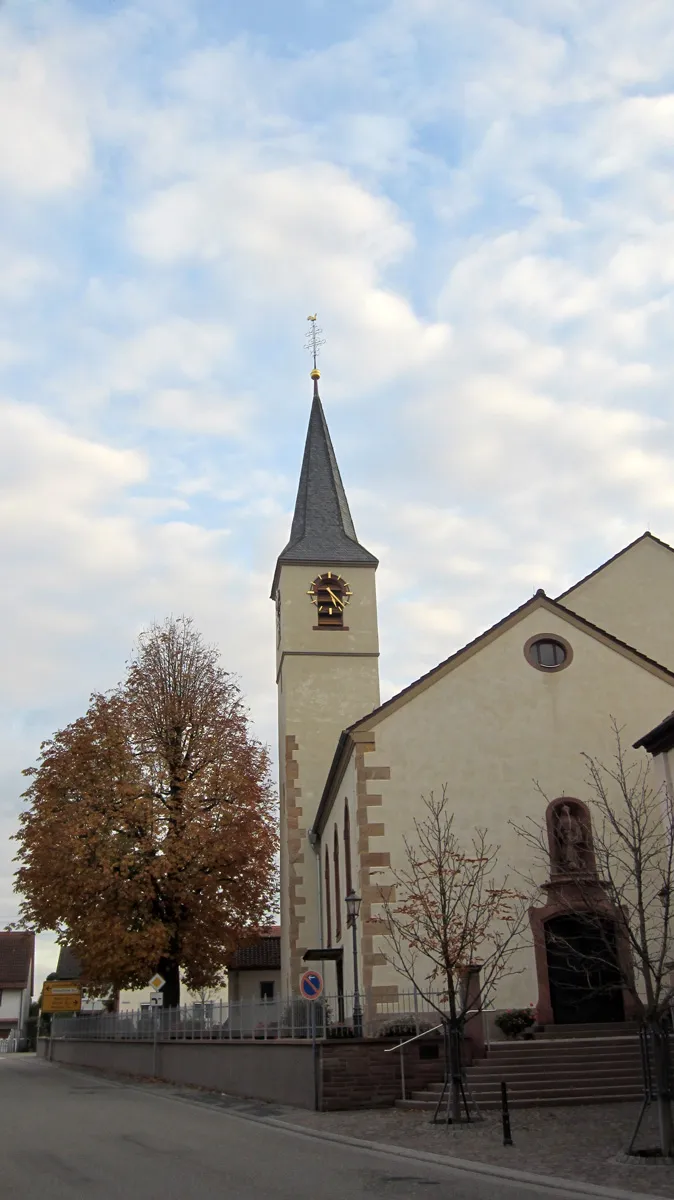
point(347, 848)
point(548, 653)
point(267, 989)
point(328, 900)
point(338, 890)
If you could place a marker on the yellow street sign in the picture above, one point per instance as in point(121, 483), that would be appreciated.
point(157, 982)
point(61, 995)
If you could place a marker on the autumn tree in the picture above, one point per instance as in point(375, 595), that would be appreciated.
point(148, 842)
point(444, 915)
point(619, 893)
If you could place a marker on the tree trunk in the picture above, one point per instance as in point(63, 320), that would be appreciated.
point(170, 971)
point(453, 1068)
point(662, 1071)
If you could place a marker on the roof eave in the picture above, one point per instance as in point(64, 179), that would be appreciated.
point(658, 740)
point(340, 761)
point(341, 560)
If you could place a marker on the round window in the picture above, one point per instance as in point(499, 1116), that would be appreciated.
point(548, 653)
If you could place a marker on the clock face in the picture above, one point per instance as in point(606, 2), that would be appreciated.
point(330, 593)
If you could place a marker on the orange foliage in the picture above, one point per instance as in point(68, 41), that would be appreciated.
point(149, 838)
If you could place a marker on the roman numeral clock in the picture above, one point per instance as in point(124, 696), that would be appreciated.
point(330, 594)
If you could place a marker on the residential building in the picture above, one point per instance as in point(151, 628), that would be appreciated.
point(17, 961)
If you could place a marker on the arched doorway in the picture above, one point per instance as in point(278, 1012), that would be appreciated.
point(584, 977)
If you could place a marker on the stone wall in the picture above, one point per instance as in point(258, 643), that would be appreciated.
point(362, 1075)
point(280, 1072)
point(341, 1075)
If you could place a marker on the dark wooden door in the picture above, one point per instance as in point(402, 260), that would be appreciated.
point(583, 972)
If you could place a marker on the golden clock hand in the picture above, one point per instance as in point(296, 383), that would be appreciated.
point(337, 600)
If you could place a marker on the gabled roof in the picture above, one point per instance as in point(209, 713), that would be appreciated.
point(540, 600)
point(264, 953)
point(322, 530)
point(642, 538)
point(17, 952)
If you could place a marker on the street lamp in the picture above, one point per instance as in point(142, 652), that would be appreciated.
point(352, 910)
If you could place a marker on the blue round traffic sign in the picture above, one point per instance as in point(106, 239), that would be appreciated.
point(311, 985)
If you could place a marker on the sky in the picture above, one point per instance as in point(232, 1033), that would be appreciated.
point(475, 196)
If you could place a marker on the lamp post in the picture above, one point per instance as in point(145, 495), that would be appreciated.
point(352, 910)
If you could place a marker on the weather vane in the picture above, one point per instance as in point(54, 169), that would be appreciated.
point(314, 340)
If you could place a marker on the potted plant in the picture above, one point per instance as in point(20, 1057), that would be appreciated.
point(516, 1021)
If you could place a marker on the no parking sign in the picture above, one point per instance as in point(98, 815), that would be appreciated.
point(311, 985)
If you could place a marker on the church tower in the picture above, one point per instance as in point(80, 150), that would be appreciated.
point(327, 671)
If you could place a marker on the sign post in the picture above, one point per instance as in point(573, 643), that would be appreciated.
point(311, 987)
point(157, 982)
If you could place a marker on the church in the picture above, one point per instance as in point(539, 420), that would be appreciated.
point(514, 708)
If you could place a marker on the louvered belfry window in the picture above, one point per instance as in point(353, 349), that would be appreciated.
point(330, 600)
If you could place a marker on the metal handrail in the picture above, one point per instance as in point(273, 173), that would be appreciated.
point(413, 1039)
point(401, 1045)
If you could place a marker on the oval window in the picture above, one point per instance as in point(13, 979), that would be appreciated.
point(547, 653)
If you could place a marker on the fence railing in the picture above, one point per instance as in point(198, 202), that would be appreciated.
point(259, 1020)
point(9, 1045)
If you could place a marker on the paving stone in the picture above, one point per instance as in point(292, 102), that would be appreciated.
point(586, 1143)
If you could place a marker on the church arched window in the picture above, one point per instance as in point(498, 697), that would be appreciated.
point(338, 890)
point(328, 900)
point(347, 849)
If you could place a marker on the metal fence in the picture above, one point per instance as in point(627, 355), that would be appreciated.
point(259, 1020)
point(9, 1045)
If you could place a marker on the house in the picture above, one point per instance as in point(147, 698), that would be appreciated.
point(255, 971)
point(503, 721)
point(17, 960)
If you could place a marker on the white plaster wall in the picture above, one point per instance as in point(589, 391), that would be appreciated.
point(631, 598)
point(327, 680)
point(493, 726)
point(10, 1004)
point(247, 985)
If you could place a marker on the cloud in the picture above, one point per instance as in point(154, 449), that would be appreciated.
point(475, 197)
point(45, 146)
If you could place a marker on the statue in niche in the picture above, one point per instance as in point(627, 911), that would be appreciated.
point(570, 839)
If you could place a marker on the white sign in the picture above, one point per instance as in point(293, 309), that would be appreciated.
point(157, 982)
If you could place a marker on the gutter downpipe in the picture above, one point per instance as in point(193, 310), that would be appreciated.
point(315, 843)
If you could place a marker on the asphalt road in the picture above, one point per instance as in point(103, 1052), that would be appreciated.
point(67, 1134)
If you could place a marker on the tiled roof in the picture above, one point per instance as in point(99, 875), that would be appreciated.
point(17, 951)
point(265, 953)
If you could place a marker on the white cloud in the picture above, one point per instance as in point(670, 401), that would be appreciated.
point(477, 199)
point(44, 140)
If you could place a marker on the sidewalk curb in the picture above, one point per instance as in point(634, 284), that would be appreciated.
point(552, 1183)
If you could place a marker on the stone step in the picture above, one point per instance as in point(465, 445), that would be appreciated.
point(550, 1061)
point(489, 1102)
point(549, 1045)
point(537, 1083)
point(589, 1029)
point(480, 1078)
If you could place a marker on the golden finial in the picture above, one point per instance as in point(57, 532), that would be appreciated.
point(314, 340)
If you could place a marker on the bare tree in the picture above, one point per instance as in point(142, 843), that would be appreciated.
point(444, 915)
point(619, 889)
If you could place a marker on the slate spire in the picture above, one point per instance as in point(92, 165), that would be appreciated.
point(322, 530)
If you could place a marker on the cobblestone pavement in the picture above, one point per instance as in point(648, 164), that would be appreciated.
point(585, 1143)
